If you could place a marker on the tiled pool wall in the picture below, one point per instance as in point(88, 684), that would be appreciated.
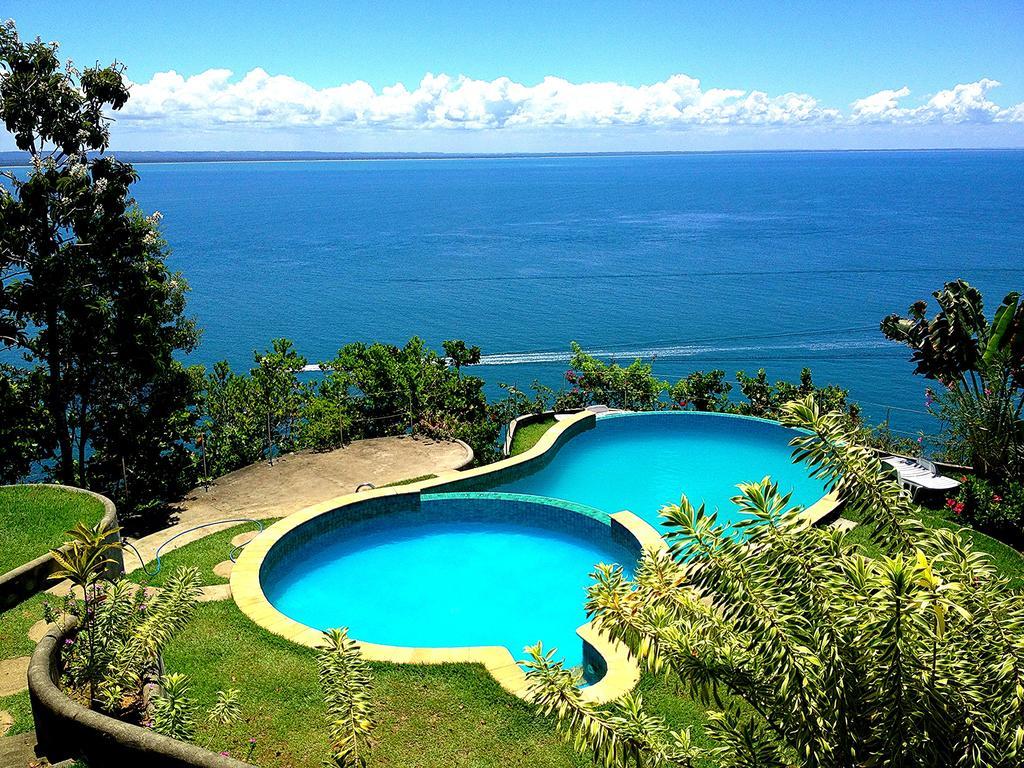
point(391, 514)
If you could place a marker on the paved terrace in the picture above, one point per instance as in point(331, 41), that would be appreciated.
point(300, 480)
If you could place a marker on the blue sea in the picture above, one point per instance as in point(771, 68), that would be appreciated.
point(733, 260)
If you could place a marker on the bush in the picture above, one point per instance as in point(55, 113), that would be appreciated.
point(994, 508)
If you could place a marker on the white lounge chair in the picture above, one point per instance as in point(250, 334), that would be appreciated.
point(918, 475)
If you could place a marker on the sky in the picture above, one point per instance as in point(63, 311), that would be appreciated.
point(550, 76)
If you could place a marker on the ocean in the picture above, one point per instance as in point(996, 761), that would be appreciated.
point(697, 261)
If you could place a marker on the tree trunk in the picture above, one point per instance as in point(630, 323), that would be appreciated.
point(55, 398)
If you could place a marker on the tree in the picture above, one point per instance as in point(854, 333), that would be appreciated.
point(631, 388)
point(980, 366)
point(22, 421)
point(85, 294)
point(834, 658)
point(704, 391)
point(346, 684)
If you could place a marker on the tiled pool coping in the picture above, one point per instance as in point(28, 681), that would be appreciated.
point(622, 673)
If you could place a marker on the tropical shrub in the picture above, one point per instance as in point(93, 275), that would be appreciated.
point(632, 388)
point(174, 711)
point(346, 684)
point(997, 509)
point(910, 659)
point(766, 400)
point(246, 418)
point(980, 367)
point(703, 391)
point(121, 628)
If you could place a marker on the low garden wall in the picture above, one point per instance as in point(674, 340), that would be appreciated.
point(65, 729)
point(26, 580)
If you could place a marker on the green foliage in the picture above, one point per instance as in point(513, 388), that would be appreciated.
point(122, 632)
point(174, 711)
point(346, 684)
point(86, 298)
point(997, 509)
point(911, 658)
point(245, 418)
point(593, 382)
point(22, 426)
point(765, 400)
point(981, 368)
point(704, 391)
point(621, 735)
point(226, 710)
point(87, 555)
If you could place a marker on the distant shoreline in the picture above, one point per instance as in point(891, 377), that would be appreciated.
point(16, 159)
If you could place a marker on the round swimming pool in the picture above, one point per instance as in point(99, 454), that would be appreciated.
point(447, 570)
point(642, 461)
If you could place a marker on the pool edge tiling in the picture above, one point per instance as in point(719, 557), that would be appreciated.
point(622, 671)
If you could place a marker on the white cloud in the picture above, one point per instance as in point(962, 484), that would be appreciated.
point(213, 99)
point(967, 103)
point(216, 109)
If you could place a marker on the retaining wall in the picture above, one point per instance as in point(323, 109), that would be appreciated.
point(26, 580)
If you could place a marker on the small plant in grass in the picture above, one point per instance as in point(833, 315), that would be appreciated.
point(174, 711)
point(346, 684)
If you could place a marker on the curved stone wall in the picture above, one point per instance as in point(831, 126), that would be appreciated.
point(65, 729)
point(26, 580)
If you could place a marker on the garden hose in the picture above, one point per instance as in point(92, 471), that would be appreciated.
point(232, 555)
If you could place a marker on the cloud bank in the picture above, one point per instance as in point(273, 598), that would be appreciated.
point(216, 99)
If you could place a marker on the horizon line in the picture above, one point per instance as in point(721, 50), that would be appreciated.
point(350, 156)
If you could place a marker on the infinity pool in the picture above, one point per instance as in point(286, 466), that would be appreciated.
point(497, 561)
point(643, 461)
point(457, 570)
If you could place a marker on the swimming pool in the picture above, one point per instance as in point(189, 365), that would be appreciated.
point(473, 565)
point(642, 461)
point(450, 570)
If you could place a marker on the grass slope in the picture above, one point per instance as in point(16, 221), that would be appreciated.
point(34, 519)
point(204, 554)
point(1007, 560)
point(526, 437)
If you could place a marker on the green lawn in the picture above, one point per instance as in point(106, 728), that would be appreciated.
point(14, 625)
point(204, 554)
point(1007, 560)
point(526, 437)
point(410, 481)
point(429, 716)
point(33, 520)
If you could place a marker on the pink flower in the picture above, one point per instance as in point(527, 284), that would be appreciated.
point(959, 508)
point(919, 439)
point(950, 503)
point(996, 498)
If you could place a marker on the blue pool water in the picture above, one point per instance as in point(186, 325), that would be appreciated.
point(461, 571)
point(641, 462)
